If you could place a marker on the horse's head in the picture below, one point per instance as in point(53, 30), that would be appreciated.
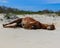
point(51, 27)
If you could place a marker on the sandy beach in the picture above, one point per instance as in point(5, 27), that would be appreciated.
point(23, 38)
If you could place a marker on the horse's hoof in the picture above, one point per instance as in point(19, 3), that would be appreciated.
point(4, 25)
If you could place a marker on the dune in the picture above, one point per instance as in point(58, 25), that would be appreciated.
point(23, 38)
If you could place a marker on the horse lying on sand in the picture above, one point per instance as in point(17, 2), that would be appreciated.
point(28, 23)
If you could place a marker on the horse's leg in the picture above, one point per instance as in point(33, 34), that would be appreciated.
point(10, 26)
point(15, 21)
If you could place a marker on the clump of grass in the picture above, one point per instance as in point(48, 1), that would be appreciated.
point(10, 16)
point(7, 16)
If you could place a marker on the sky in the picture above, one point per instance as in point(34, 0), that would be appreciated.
point(32, 5)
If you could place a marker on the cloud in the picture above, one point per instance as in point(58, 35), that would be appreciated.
point(52, 1)
point(3, 1)
point(45, 1)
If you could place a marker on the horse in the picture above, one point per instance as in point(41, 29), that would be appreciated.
point(28, 23)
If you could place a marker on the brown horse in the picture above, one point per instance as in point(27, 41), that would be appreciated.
point(28, 23)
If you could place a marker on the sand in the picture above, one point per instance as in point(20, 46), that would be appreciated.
point(23, 38)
